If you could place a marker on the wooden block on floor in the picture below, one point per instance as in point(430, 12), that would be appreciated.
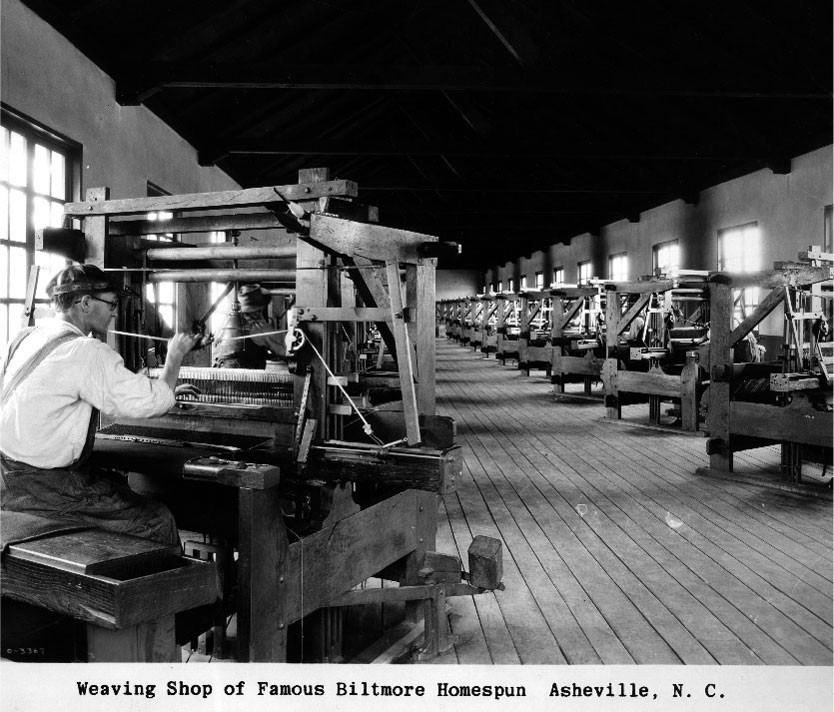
point(485, 562)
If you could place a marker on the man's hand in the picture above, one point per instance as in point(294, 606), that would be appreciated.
point(178, 347)
point(187, 390)
point(181, 344)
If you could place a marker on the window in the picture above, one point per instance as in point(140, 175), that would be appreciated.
point(524, 282)
point(164, 236)
point(666, 257)
point(510, 285)
point(219, 316)
point(739, 250)
point(35, 182)
point(618, 267)
point(163, 295)
point(501, 285)
point(827, 304)
point(558, 276)
point(539, 280)
point(583, 271)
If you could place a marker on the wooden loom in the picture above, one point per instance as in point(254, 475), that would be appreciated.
point(786, 401)
point(488, 340)
point(507, 326)
point(359, 498)
point(534, 348)
point(576, 336)
point(660, 364)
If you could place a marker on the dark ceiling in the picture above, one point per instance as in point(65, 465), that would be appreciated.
point(507, 125)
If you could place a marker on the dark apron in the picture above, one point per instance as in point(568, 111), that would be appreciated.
point(78, 494)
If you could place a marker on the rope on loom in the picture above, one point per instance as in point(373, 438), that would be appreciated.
point(367, 429)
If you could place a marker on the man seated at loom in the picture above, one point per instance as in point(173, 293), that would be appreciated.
point(56, 377)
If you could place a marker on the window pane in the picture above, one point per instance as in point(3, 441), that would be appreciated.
point(41, 170)
point(58, 187)
point(4, 325)
point(4, 213)
point(4, 271)
point(49, 264)
point(149, 293)
point(739, 249)
point(17, 215)
point(17, 272)
point(166, 293)
point(15, 318)
point(57, 215)
point(4, 154)
point(40, 213)
point(167, 314)
point(618, 267)
point(17, 159)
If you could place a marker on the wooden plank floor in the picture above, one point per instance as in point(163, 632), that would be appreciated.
point(615, 550)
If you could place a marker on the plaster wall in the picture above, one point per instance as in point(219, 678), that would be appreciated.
point(44, 77)
point(787, 208)
point(455, 283)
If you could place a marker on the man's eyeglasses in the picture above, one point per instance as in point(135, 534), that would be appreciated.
point(113, 305)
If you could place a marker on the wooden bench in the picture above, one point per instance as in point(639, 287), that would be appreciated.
point(126, 590)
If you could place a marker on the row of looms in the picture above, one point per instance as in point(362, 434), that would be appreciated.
point(637, 338)
point(688, 340)
point(300, 486)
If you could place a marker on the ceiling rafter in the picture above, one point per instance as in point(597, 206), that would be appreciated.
point(506, 126)
point(143, 81)
point(503, 21)
point(505, 146)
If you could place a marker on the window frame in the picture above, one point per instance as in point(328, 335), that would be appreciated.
point(615, 259)
point(579, 269)
point(750, 295)
point(34, 134)
point(660, 246)
point(152, 289)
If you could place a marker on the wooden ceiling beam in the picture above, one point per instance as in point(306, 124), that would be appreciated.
point(137, 84)
point(568, 189)
point(503, 21)
point(420, 148)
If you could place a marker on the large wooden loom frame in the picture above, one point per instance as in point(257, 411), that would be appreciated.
point(506, 312)
point(533, 304)
point(653, 385)
point(735, 425)
point(281, 581)
point(488, 339)
point(569, 302)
